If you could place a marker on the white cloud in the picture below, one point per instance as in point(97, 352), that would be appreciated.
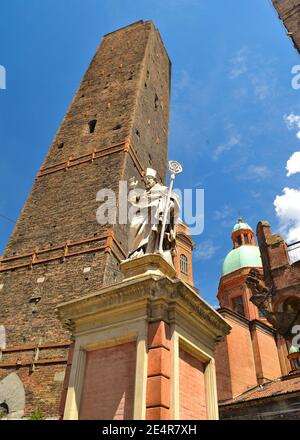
point(293, 122)
point(238, 64)
point(261, 86)
point(256, 72)
point(287, 207)
point(223, 213)
point(255, 172)
point(259, 171)
point(255, 194)
point(183, 80)
point(205, 250)
point(234, 140)
point(293, 164)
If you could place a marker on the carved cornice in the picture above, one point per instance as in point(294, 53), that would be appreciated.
point(156, 297)
point(230, 314)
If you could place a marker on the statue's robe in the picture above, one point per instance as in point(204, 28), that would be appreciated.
point(146, 217)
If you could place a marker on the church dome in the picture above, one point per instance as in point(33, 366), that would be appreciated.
point(241, 225)
point(245, 253)
point(243, 256)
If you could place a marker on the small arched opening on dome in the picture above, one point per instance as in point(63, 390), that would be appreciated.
point(246, 239)
point(239, 240)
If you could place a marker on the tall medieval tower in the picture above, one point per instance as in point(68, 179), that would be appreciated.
point(117, 125)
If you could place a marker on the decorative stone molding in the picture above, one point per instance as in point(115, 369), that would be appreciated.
point(147, 289)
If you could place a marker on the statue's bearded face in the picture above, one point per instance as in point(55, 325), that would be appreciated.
point(149, 182)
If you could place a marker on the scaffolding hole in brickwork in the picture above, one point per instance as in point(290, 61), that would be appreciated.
point(117, 127)
point(92, 125)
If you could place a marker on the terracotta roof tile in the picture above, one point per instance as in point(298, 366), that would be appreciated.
point(284, 385)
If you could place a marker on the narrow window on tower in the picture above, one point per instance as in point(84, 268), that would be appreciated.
point(238, 305)
point(239, 240)
point(246, 239)
point(183, 264)
point(92, 125)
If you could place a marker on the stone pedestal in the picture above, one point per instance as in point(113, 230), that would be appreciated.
point(143, 348)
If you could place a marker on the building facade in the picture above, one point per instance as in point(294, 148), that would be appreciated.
point(256, 375)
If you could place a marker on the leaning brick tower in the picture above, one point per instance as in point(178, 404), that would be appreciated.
point(116, 125)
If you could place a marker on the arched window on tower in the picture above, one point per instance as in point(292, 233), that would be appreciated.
point(183, 264)
point(238, 305)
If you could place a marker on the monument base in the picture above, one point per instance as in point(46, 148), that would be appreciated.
point(144, 348)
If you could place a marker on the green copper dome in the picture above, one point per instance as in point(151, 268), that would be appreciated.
point(243, 256)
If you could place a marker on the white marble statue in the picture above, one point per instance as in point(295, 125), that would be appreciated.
point(155, 211)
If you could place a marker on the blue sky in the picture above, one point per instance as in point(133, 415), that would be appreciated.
point(231, 89)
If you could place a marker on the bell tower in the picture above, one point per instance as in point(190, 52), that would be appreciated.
point(253, 352)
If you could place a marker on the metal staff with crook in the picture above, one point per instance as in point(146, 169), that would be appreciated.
point(174, 168)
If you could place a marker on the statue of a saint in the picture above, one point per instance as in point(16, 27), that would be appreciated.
point(147, 213)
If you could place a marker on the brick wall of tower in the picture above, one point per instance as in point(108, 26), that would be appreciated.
point(57, 251)
point(62, 205)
